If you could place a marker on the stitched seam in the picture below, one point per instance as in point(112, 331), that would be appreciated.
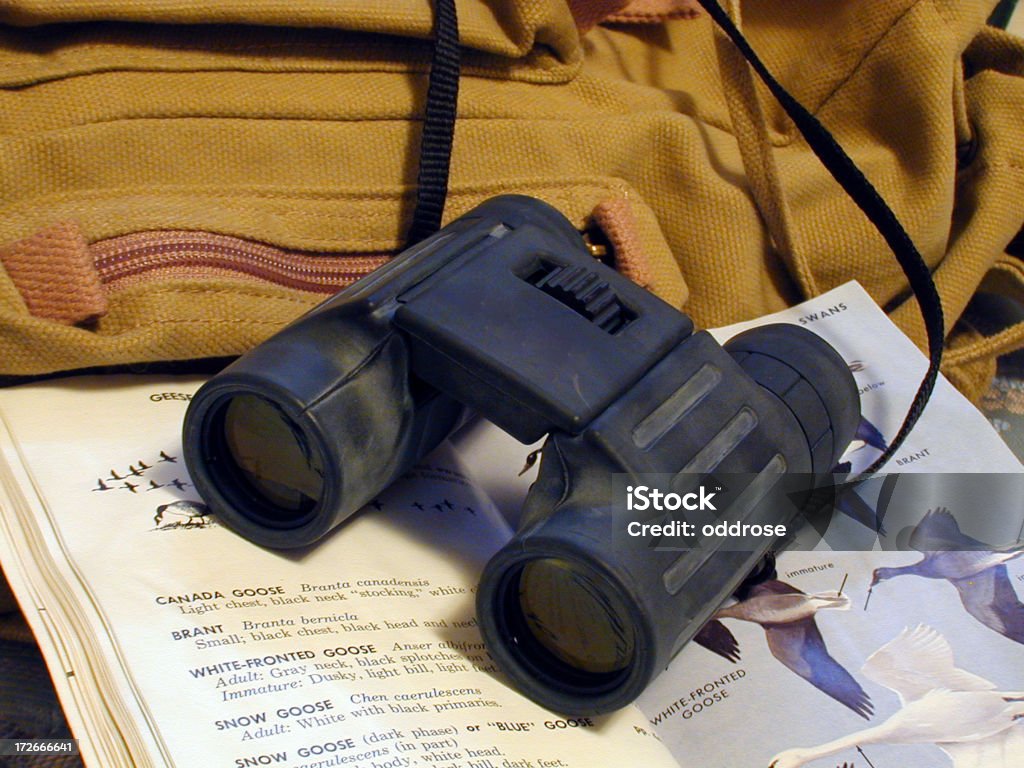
point(986, 346)
point(192, 321)
point(867, 54)
point(345, 120)
point(979, 166)
point(580, 183)
point(535, 66)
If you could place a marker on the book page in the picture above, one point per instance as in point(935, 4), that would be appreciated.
point(829, 689)
point(715, 712)
point(361, 650)
point(888, 369)
point(202, 670)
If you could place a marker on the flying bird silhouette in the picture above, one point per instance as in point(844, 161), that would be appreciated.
point(976, 570)
point(941, 704)
point(787, 616)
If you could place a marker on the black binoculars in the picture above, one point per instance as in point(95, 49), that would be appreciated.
point(505, 312)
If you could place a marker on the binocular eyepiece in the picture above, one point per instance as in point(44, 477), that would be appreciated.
point(505, 312)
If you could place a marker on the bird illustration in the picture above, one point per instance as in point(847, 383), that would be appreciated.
point(101, 486)
point(787, 616)
point(165, 457)
point(941, 704)
point(866, 434)
point(976, 570)
point(850, 503)
point(869, 434)
point(717, 638)
point(819, 505)
point(182, 514)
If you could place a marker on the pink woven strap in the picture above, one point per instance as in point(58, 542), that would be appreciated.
point(617, 220)
point(54, 272)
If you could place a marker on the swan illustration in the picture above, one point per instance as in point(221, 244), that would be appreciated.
point(787, 616)
point(941, 704)
point(976, 570)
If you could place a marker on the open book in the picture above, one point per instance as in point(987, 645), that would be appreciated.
point(172, 641)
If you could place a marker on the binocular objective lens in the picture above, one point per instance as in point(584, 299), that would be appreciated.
point(574, 619)
point(272, 458)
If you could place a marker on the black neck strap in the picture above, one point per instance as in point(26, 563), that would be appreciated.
point(857, 186)
point(435, 160)
point(438, 124)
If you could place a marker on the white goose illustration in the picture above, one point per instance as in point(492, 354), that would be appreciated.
point(961, 713)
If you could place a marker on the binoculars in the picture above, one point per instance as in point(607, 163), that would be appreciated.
point(505, 312)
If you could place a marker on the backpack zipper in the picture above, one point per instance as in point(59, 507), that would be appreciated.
point(150, 255)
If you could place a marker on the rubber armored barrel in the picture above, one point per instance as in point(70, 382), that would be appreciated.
point(505, 312)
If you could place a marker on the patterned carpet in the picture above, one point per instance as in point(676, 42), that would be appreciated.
point(1004, 404)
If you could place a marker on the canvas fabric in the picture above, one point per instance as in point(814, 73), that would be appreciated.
point(294, 125)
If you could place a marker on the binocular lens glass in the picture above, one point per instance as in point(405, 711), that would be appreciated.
point(573, 618)
point(272, 456)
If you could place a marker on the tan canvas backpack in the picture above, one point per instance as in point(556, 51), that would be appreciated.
point(178, 178)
